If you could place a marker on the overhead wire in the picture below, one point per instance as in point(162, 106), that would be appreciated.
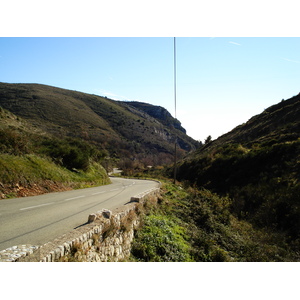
point(175, 104)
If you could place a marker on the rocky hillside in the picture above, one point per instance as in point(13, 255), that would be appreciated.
point(124, 129)
point(159, 113)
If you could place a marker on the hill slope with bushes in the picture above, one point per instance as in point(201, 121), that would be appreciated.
point(194, 224)
point(258, 166)
point(125, 131)
point(34, 162)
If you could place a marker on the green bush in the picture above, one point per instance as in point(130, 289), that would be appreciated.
point(214, 234)
point(14, 142)
point(162, 240)
point(70, 153)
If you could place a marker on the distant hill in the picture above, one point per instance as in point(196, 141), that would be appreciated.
point(257, 165)
point(124, 129)
point(278, 123)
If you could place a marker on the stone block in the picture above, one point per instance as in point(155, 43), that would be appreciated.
point(135, 199)
point(106, 213)
point(62, 250)
point(84, 237)
point(89, 234)
point(66, 247)
point(90, 243)
point(111, 250)
point(96, 229)
point(92, 218)
point(118, 251)
point(57, 253)
point(52, 256)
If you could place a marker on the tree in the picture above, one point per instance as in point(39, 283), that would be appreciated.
point(208, 140)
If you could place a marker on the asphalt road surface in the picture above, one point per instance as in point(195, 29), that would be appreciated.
point(39, 219)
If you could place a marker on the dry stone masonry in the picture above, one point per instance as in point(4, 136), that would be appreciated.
point(107, 236)
point(16, 252)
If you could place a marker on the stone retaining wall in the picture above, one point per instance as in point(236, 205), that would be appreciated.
point(107, 237)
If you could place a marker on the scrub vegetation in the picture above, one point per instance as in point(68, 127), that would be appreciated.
point(134, 135)
point(192, 224)
point(238, 197)
point(32, 161)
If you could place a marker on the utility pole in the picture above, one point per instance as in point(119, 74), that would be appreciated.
point(175, 154)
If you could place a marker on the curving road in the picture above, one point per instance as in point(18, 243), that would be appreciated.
point(39, 219)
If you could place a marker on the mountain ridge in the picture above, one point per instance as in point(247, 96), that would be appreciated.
point(113, 125)
point(281, 118)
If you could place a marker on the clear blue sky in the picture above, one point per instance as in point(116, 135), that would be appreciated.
point(221, 82)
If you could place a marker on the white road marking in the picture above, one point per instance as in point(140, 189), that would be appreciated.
point(99, 193)
point(114, 190)
point(68, 199)
point(29, 207)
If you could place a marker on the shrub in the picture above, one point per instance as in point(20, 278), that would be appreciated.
point(161, 239)
point(71, 153)
point(14, 142)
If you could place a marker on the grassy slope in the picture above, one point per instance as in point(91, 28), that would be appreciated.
point(27, 166)
point(30, 175)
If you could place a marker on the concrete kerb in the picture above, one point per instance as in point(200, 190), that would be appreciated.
point(140, 197)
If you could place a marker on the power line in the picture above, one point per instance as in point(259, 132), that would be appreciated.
point(175, 77)
point(175, 100)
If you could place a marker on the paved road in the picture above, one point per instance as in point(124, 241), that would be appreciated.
point(39, 219)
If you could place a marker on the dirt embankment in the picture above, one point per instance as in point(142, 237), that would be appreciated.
point(18, 190)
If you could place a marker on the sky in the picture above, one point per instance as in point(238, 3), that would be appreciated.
point(221, 82)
